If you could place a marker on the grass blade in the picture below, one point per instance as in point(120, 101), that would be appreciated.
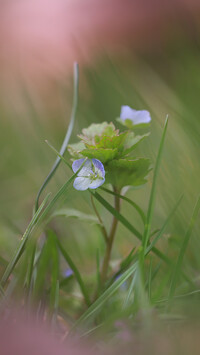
point(98, 275)
point(130, 290)
point(138, 209)
point(150, 280)
point(147, 229)
point(183, 248)
point(117, 214)
point(67, 136)
point(54, 292)
point(76, 272)
point(22, 243)
point(161, 231)
point(107, 294)
point(42, 269)
point(127, 224)
point(61, 192)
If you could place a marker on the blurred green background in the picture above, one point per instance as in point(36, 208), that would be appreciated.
point(164, 80)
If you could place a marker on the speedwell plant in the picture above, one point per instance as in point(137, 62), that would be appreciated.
point(109, 159)
point(103, 158)
point(109, 153)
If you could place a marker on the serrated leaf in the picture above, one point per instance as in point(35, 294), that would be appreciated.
point(124, 172)
point(104, 155)
point(70, 212)
point(90, 134)
point(75, 149)
point(131, 142)
point(108, 142)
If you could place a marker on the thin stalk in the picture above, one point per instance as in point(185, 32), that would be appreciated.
point(67, 136)
point(103, 229)
point(59, 157)
point(110, 241)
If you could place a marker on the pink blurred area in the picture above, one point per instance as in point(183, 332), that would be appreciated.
point(40, 39)
point(22, 334)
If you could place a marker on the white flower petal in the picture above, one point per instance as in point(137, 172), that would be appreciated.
point(96, 183)
point(76, 164)
point(99, 168)
point(81, 183)
point(86, 169)
point(137, 117)
point(91, 175)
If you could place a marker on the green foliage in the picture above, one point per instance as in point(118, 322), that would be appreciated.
point(146, 274)
point(104, 155)
point(124, 172)
point(71, 212)
point(105, 143)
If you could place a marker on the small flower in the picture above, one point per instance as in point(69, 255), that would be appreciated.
point(137, 117)
point(91, 175)
point(68, 273)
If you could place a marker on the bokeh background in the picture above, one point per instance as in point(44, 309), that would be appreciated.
point(145, 54)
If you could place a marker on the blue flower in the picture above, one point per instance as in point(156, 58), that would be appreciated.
point(91, 175)
point(137, 117)
point(68, 273)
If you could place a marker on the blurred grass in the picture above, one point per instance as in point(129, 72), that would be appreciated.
point(162, 83)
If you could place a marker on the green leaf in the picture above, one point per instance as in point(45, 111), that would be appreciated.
point(131, 142)
point(90, 135)
point(104, 155)
point(75, 150)
point(124, 172)
point(70, 212)
point(108, 142)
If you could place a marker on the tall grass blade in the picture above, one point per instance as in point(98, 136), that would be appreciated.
point(161, 231)
point(76, 272)
point(150, 280)
point(132, 203)
point(117, 214)
point(130, 291)
point(183, 248)
point(127, 224)
point(22, 243)
point(67, 136)
point(98, 274)
point(60, 193)
point(107, 294)
point(147, 229)
point(54, 292)
point(42, 270)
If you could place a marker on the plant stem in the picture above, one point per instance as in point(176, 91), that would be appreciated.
point(110, 240)
point(103, 230)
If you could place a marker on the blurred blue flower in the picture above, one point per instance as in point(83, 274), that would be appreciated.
point(91, 175)
point(68, 273)
point(137, 117)
point(124, 285)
